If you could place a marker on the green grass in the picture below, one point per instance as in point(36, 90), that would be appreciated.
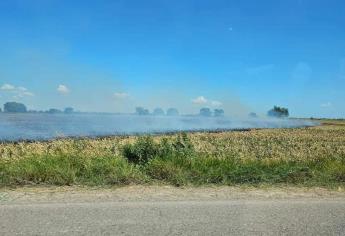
point(211, 170)
point(69, 170)
point(174, 161)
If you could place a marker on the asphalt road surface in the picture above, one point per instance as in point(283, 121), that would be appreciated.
point(297, 216)
point(291, 217)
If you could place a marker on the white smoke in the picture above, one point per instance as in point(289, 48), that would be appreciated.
point(47, 126)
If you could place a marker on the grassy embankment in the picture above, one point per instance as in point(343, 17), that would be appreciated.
point(306, 156)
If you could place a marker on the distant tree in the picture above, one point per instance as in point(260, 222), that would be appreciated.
point(32, 111)
point(14, 107)
point(218, 112)
point(54, 111)
point(141, 111)
point(0, 110)
point(158, 112)
point(68, 110)
point(205, 112)
point(252, 115)
point(278, 112)
point(172, 112)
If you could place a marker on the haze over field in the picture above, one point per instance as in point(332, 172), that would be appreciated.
point(112, 56)
point(15, 127)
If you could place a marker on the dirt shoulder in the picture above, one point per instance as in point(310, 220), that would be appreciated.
point(161, 193)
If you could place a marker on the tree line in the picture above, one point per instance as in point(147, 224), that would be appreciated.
point(206, 112)
point(276, 111)
point(16, 107)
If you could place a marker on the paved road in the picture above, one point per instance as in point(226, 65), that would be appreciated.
point(229, 217)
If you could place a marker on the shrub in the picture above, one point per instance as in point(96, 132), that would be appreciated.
point(183, 146)
point(145, 149)
point(141, 151)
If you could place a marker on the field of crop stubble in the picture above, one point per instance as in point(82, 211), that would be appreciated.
point(313, 156)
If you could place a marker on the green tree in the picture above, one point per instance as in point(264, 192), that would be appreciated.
point(14, 107)
point(141, 111)
point(205, 112)
point(158, 112)
point(68, 110)
point(54, 111)
point(218, 112)
point(278, 112)
point(172, 112)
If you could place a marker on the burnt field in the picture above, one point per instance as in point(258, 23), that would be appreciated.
point(33, 127)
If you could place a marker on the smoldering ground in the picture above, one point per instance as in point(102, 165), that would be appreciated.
point(15, 127)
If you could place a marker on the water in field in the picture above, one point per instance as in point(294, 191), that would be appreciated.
point(47, 126)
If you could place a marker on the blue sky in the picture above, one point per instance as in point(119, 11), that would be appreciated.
point(112, 56)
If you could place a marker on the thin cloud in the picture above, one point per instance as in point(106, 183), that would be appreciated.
point(18, 92)
point(216, 103)
point(120, 95)
point(62, 89)
point(326, 105)
point(200, 100)
point(30, 94)
point(22, 89)
point(7, 87)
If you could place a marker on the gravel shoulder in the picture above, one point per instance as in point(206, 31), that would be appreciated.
point(137, 193)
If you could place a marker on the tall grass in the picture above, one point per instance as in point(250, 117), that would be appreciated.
point(69, 170)
point(211, 170)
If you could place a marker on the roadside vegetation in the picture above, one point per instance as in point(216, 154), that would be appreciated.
point(305, 156)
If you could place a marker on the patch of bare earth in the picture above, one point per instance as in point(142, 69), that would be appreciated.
point(161, 193)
